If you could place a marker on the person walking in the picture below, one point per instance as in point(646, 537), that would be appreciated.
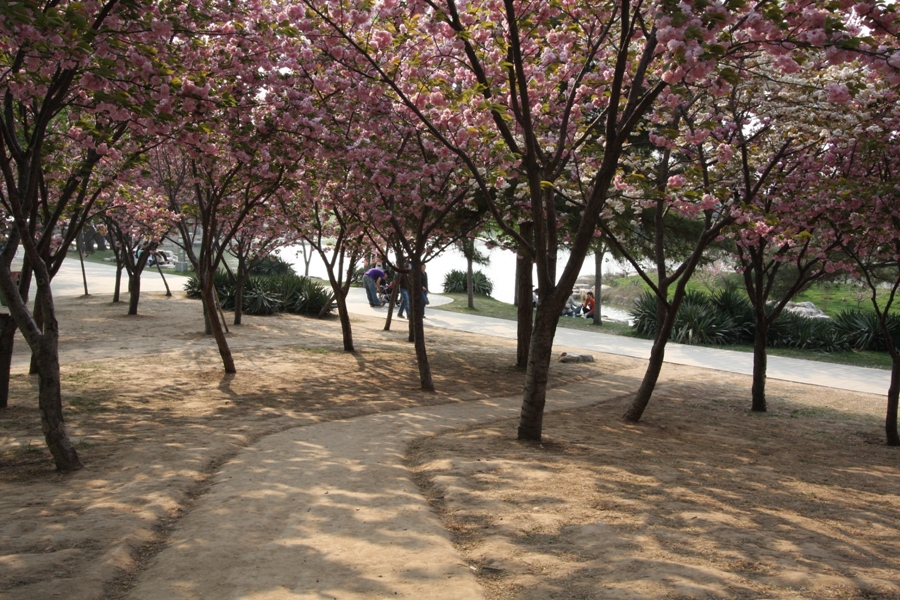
point(402, 280)
point(371, 280)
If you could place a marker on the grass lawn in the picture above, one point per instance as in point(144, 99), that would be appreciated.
point(489, 307)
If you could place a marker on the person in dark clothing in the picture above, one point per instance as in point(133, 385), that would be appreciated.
point(402, 280)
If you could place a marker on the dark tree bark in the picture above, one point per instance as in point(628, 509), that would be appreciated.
point(165, 283)
point(118, 288)
point(470, 282)
point(134, 293)
point(44, 343)
point(8, 330)
point(760, 364)
point(531, 419)
point(395, 291)
point(239, 282)
point(665, 316)
point(7, 340)
point(417, 312)
point(598, 285)
point(890, 422)
point(207, 292)
point(525, 310)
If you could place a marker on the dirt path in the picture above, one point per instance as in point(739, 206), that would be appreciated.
point(315, 473)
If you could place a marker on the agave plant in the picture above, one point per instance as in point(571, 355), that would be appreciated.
point(260, 298)
point(455, 283)
point(272, 265)
point(863, 331)
point(736, 305)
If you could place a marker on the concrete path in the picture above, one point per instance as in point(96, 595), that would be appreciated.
point(329, 510)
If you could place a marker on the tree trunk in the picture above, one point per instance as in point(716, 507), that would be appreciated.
point(598, 286)
point(212, 314)
point(239, 282)
point(654, 367)
point(134, 292)
point(50, 394)
point(7, 340)
point(760, 364)
point(890, 422)
point(80, 248)
point(119, 267)
point(470, 281)
point(417, 312)
point(344, 316)
point(38, 316)
point(395, 291)
point(537, 374)
point(524, 314)
point(165, 283)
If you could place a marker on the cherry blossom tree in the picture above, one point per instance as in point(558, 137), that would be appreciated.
point(556, 89)
point(860, 197)
point(138, 220)
point(79, 95)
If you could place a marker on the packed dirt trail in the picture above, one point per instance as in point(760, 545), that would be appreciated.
point(329, 511)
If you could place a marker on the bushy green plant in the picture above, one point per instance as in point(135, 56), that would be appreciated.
point(223, 283)
point(260, 297)
point(791, 330)
point(272, 265)
point(455, 283)
point(699, 322)
point(269, 295)
point(643, 315)
point(863, 331)
point(729, 301)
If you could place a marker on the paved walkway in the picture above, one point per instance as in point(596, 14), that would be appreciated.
point(328, 510)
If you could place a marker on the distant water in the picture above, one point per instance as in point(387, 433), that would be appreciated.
point(501, 271)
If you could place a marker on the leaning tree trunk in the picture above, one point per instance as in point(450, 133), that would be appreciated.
point(395, 291)
point(890, 423)
point(524, 312)
point(537, 374)
point(212, 314)
point(165, 283)
point(760, 362)
point(344, 316)
point(654, 366)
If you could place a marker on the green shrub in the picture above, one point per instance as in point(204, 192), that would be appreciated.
point(272, 265)
point(791, 330)
point(863, 331)
point(455, 283)
point(223, 283)
point(643, 315)
point(729, 301)
point(269, 295)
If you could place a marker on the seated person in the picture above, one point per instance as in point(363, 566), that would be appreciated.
point(571, 308)
point(588, 307)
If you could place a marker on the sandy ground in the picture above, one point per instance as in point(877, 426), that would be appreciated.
point(700, 500)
